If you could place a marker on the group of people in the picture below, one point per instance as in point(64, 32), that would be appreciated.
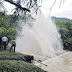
point(4, 42)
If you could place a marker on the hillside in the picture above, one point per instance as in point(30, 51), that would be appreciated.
point(60, 19)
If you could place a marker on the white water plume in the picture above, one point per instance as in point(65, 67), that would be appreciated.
point(42, 39)
point(49, 38)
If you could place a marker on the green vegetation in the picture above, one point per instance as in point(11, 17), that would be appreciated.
point(8, 25)
point(6, 55)
point(18, 66)
point(66, 33)
point(16, 62)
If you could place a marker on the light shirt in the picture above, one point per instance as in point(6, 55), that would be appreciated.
point(4, 39)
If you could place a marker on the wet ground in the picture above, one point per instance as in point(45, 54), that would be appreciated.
point(60, 63)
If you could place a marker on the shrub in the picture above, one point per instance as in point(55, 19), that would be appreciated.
point(18, 66)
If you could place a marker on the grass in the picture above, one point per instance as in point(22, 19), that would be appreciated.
point(6, 55)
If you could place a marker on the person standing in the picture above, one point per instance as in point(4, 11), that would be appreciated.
point(13, 44)
point(4, 42)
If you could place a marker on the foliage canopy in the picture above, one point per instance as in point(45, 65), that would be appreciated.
point(66, 33)
point(7, 26)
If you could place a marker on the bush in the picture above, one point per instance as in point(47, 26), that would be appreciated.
point(18, 66)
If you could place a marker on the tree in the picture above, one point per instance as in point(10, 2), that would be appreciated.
point(9, 23)
point(7, 26)
point(66, 33)
point(19, 8)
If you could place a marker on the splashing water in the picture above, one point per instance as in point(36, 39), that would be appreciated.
point(42, 39)
point(49, 37)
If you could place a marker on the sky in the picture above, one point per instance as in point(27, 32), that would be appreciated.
point(65, 9)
